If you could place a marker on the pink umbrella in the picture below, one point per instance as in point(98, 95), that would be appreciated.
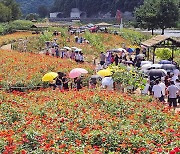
point(77, 72)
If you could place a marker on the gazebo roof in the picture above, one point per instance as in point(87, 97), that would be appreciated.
point(157, 40)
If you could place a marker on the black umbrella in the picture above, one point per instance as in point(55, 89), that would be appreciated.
point(140, 56)
point(165, 62)
point(168, 67)
point(96, 78)
point(128, 62)
point(60, 74)
point(157, 72)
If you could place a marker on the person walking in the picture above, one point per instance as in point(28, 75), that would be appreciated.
point(163, 88)
point(102, 58)
point(116, 60)
point(65, 82)
point(58, 80)
point(57, 52)
point(157, 91)
point(172, 94)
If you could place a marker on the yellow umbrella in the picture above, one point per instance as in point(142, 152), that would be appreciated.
point(104, 72)
point(49, 76)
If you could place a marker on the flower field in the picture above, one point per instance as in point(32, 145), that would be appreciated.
point(27, 69)
point(5, 39)
point(86, 121)
point(47, 121)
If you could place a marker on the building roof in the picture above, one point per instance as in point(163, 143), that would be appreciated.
point(103, 24)
point(157, 40)
point(46, 25)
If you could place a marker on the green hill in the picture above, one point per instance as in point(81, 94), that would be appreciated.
point(92, 7)
point(31, 6)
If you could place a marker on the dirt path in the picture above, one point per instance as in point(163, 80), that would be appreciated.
point(6, 47)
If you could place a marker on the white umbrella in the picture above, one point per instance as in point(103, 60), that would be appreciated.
point(74, 48)
point(78, 49)
point(146, 66)
point(156, 66)
point(145, 62)
point(68, 48)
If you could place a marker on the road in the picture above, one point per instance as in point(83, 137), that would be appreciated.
point(168, 32)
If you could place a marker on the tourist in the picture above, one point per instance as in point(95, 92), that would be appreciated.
point(65, 82)
point(177, 83)
point(167, 81)
point(72, 56)
point(57, 52)
point(59, 80)
point(172, 94)
point(47, 52)
point(112, 59)
point(102, 58)
point(76, 39)
point(108, 83)
point(81, 57)
point(62, 53)
point(163, 88)
point(78, 83)
point(116, 60)
point(146, 88)
point(157, 90)
point(92, 83)
point(53, 51)
point(77, 56)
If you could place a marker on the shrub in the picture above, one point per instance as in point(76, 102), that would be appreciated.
point(164, 53)
point(20, 25)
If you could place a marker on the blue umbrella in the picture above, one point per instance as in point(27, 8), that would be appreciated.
point(130, 50)
point(165, 62)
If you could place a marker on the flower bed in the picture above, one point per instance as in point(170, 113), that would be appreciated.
point(27, 69)
point(47, 121)
point(9, 38)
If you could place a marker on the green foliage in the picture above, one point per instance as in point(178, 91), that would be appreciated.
point(93, 7)
point(134, 37)
point(5, 13)
point(164, 53)
point(47, 36)
point(132, 79)
point(15, 11)
point(155, 14)
point(43, 11)
point(19, 25)
point(32, 16)
point(96, 41)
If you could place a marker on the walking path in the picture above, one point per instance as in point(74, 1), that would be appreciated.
point(6, 47)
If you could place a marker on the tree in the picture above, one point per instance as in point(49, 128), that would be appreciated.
point(146, 15)
point(168, 14)
point(157, 14)
point(15, 9)
point(32, 16)
point(5, 13)
point(43, 11)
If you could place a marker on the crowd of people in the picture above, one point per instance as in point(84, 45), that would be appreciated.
point(63, 82)
point(53, 49)
point(165, 89)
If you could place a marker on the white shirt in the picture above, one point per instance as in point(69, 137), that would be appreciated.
point(146, 89)
point(178, 85)
point(163, 88)
point(157, 91)
point(173, 90)
point(174, 78)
